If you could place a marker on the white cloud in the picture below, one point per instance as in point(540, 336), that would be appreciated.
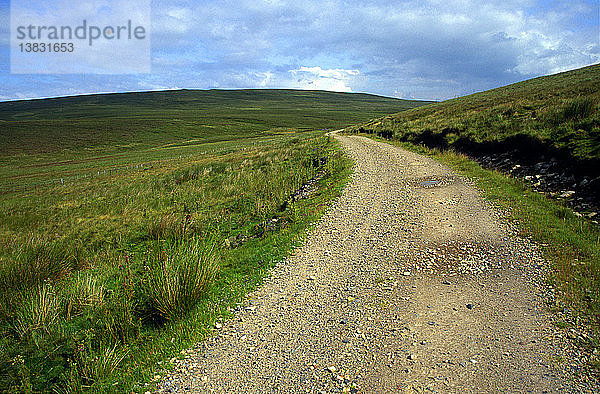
point(316, 78)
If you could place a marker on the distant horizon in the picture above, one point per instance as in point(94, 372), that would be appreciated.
point(414, 50)
point(206, 90)
point(280, 89)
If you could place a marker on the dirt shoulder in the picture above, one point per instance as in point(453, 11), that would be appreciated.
point(410, 283)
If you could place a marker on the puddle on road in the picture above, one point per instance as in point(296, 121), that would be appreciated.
point(428, 183)
point(434, 181)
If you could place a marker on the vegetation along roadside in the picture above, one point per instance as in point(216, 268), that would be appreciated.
point(122, 290)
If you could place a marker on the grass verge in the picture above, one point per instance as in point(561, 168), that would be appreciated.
point(106, 281)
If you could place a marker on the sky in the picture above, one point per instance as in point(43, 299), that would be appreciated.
point(413, 49)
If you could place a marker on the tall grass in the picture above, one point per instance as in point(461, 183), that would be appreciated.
point(31, 262)
point(179, 275)
point(577, 109)
point(39, 310)
point(86, 292)
point(100, 280)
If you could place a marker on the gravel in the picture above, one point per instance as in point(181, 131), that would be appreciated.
point(374, 300)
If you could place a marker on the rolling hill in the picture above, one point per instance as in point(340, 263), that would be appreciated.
point(555, 114)
point(125, 120)
point(48, 139)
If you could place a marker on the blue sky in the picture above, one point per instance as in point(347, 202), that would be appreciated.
point(423, 49)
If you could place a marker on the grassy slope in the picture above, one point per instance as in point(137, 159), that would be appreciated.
point(560, 111)
point(53, 138)
point(121, 121)
point(95, 291)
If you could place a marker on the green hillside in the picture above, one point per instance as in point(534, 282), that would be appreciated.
point(49, 139)
point(555, 112)
point(120, 121)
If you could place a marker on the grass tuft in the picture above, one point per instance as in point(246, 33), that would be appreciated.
point(179, 276)
point(38, 311)
point(85, 293)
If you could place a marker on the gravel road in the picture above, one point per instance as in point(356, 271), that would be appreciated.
point(410, 283)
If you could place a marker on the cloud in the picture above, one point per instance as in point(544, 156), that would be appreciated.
point(429, 49)
point(435, 49)
point(316, 78)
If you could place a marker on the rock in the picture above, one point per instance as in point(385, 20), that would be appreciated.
point(332, 369)
point(470, 306)
point(567, 194)
point(411, 357)
point(218, 325)
point(311, 278)
point(446, 282)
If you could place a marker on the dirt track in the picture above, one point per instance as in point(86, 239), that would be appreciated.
point(410, 283)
